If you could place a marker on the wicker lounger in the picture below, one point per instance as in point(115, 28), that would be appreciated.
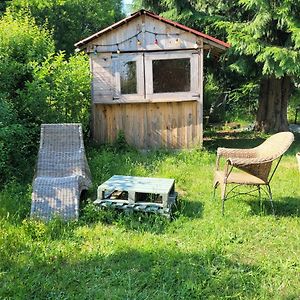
point(62, 172)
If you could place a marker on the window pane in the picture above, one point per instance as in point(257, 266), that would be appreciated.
point(128, 77)
point(171, 75)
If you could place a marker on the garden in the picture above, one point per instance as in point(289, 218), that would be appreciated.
point(249, 253)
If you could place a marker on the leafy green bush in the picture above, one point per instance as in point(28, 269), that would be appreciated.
point(22, 44)
point(69, 20)
point(36, 86)
point(59, 90)
point(14, 143)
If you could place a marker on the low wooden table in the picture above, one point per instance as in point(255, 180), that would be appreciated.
point(138, 193)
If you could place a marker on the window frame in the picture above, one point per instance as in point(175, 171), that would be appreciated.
point(144, 73)
point(117, 60)
point(193, 94)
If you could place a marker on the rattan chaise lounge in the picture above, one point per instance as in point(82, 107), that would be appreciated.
point(62, 172)
point(255, 165)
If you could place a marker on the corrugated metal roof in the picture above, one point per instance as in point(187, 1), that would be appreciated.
point(207, 37)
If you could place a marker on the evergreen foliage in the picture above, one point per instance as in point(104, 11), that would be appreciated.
point(265, 39)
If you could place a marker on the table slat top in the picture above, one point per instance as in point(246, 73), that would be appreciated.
point(138, 184)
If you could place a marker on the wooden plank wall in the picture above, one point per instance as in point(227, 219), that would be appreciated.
point(169, 37)
point(174, 125)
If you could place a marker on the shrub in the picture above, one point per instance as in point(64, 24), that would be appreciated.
point(36, 86)
point(14, 143)
point(59, 90)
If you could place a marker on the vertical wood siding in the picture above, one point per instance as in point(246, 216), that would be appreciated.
point(173, 125)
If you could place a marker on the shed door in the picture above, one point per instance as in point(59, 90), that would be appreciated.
point(128, 73)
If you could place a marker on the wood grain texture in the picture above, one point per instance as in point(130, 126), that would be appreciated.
point(125, 37)
point(173, 125)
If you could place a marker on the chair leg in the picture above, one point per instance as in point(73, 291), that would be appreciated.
point(214, 192)
point(259, 197)
point(271, 200)
point(223, 197)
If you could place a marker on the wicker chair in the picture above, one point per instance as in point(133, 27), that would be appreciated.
point(62, 172)
point(255, 165)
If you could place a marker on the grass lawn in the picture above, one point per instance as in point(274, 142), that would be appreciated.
point(247, 254)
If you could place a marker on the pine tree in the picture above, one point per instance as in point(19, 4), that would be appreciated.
point(271, 38)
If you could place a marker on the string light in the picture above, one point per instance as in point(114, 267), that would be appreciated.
point(208, 53)
point(155, 40)
point(163, 33)
point(138, 41)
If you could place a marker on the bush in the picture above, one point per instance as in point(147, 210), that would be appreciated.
point(36, 86)
point(14, 143)
point(69, 20)
point(22, 44)
point(59, 91)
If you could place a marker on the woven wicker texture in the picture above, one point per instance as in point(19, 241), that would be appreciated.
point(62, 172)
point(254, 165)
point(258, 161)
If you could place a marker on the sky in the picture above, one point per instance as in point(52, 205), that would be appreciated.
point(126, 5)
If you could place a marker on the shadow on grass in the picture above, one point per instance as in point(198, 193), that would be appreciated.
point(213, 140)
point(284, 207)
point(140, 221)
point(190, 209)
point(132, 274)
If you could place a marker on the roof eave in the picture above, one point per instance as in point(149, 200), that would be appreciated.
point(214, 42)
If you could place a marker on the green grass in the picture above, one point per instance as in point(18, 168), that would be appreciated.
point(247, 254)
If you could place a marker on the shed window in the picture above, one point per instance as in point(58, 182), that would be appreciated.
point(156, 76)
point(128, 78)
point(171, 75)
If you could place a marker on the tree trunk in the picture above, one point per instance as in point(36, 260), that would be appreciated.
point(273, 101)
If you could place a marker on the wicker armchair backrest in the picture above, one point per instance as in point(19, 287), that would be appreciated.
point(275, 146)
point(271, 149)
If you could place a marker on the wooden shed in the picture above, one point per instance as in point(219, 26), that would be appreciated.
point(148, 81)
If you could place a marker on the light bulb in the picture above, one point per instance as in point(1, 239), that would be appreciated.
point(208, 54)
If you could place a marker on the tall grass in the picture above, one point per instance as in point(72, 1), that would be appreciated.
point(247, 254)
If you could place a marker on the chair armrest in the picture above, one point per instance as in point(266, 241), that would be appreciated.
point(240, 162)
point(236, 153)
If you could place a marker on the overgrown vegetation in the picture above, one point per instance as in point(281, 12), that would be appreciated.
point(36, 86)
point(247, 254)
point(69, 20)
